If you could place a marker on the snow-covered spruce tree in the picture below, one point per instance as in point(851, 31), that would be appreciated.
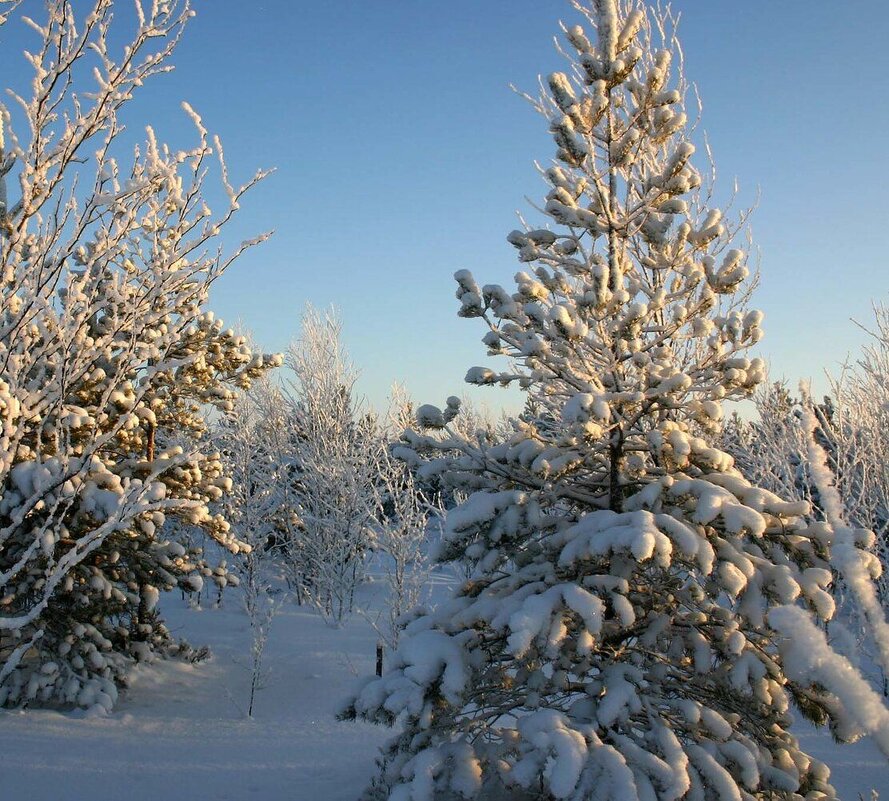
point(107, 359)
point(630, 627)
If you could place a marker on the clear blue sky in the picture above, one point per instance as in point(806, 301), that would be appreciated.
point(402, 156)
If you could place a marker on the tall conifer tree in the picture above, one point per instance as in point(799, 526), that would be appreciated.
point(625, 632)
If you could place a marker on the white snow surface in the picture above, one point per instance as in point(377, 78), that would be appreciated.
point(179, 733)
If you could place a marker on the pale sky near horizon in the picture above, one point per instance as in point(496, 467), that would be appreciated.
point(403, 156)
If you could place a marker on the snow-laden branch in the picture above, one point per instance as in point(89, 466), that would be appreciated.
point(850, 553)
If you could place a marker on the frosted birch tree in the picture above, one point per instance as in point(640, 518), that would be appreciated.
point(333, 447)
point(858, 439)
point(640, 620)
point(812, 452)
point(403, 516)
point(107, 356)
point(253, 507)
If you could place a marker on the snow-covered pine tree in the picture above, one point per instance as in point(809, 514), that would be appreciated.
point(108, 358)
point(639, 617)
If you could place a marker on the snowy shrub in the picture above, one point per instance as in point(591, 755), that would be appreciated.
point(640, 619)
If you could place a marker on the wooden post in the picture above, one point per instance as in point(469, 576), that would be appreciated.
point(379, 658)
point(149, 451)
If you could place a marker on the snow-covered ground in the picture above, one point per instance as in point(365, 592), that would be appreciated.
point(180, 731)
